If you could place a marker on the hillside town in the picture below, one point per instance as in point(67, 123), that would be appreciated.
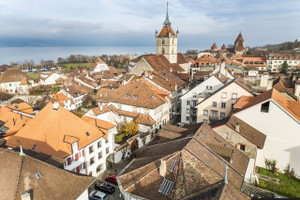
point(222, 123)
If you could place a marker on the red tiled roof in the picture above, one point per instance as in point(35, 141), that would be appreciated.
point(49, 129)
point(13, 75)
point(293, 107)
point(166, 30)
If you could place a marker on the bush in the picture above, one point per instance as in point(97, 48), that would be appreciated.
point(270, 164)
point(288, 171)
point(5, 96)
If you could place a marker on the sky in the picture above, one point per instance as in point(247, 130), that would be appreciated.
point(133, 22)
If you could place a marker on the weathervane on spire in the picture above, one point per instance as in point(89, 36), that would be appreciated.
point(167, 21)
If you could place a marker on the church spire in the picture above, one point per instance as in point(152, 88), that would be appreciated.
point(167, 21)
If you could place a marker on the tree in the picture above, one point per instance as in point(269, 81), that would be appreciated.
point(284, 68)
point(88, 101)
point(248, 52)
point(131, 128)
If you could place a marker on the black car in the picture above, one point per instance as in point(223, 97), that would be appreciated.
point(105, 187)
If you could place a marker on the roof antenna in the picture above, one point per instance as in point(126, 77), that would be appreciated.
point(21, 151)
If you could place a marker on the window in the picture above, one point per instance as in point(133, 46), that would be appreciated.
point(265, 107)
point(194, 103)
point(234, 96)
point(107, 150)
point(224, 95)
point(194, 94)
point(223, 105)
point(163, 50)
point(205, 112)
point(187, 102)
point(214, 104)
point(92, 161)
point(187, 118)
point(106, 140)
point(91, 149)
point(98, 169)
point(187, 111)
point(99, 144)
point(100, 155)
point(222, 115)
point(205, 120)
point(242, 147)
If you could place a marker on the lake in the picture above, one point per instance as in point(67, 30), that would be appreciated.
point(21, 54)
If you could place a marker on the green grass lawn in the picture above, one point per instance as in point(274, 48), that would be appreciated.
point(34, 75)
point(289, 187)
point(75, 65)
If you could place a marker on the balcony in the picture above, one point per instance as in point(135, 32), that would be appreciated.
point(213, 119)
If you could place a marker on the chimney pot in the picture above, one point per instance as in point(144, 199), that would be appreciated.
point(237, 127)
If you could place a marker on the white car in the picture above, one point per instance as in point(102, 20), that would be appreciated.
point(97, 195)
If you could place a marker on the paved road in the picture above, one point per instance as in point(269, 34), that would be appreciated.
point(115, 169)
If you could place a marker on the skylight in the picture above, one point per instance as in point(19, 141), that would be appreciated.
point(173, 165)
point(38, 175)
point(166, 187)
point(135, 97)
point(87, 133)
point(127, 95)
point(33, 148)
point(16, 106)
point(203, 132)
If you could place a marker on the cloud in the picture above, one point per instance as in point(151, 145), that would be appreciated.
point(135, 21)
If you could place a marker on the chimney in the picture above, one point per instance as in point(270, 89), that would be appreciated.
point(55, 105)
point(176, 87)
point(269, 84)
point(162, 168)
point(297, 89)
point(225, 177)
point(25, 196)
point(67, 89)
point(21, 151)
point(237, 127)
point(101, 107)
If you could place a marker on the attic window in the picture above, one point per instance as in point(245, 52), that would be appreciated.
point(16, 106)
point(265, 107)
point(38, 175)
point(152, 97)
point(33, 148)
point(128, 95)
point(107, 93)
point(87, 133)
point(135, 97)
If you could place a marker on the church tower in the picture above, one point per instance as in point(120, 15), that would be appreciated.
point(166, 41)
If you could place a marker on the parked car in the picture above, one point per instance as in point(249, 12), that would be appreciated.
point(105, 187)
point(111, 178)
point(97, 195)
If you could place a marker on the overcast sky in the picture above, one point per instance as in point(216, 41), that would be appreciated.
point(133, 22)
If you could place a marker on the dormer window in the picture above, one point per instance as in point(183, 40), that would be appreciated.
point(135, 97)
point(127, 95)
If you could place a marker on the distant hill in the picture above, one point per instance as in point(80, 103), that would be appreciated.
point(281, 46)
